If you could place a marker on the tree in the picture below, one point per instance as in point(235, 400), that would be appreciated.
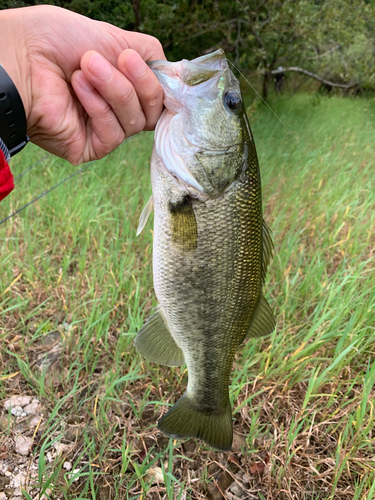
point(333, 39)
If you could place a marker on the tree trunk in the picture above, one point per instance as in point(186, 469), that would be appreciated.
point(137, 13)
point(266, 84)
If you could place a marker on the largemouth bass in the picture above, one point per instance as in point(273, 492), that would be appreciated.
point(211, 247)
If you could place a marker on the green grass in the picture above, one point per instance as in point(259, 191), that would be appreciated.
point(73, 271)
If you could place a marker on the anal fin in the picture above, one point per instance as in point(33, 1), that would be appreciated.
point(155, 342)
point(264, 321)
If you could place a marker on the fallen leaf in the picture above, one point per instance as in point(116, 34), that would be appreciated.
point(236, 490)
point(239, 443)
point(213, 492)
point(217, 487)
point(257, 468)
point(63, 448)
point(189, 446)
point(155, 475)
point(233, 459)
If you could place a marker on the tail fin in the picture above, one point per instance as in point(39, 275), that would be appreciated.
point(184, 420)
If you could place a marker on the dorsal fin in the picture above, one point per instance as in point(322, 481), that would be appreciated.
point(267, 250)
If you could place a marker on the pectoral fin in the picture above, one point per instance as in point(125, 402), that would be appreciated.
point(155, 342)
point(149, 207)
point(184, 225)
point(263, 322)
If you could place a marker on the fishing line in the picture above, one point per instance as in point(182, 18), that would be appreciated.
point(46, 192)
point(31, 166)
point(79, 171)
point(261, 98)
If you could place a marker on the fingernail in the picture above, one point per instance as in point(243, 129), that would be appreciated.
point(99, 67)
point(136, 66)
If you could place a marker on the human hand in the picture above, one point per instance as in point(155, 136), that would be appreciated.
point(84, 83)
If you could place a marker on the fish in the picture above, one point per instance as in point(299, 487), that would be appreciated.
point(211, 246)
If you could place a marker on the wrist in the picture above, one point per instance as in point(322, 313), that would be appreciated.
point(13, 124)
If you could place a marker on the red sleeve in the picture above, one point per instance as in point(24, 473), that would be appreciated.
point(6, 177)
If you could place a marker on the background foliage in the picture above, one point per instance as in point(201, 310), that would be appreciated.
point(333, 38)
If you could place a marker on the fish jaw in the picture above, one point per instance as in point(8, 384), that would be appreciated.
point(199, 140)
point(172, 75)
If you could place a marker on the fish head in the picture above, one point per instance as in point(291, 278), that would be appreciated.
point(202, 134)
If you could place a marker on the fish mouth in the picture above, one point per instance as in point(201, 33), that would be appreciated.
point(178, 80)
point(190, 73)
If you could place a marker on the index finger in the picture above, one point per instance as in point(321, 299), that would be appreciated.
point(147, 46)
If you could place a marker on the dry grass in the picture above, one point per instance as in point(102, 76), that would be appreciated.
point(77, 285)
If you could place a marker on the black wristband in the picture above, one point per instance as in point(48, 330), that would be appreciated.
point(13, 125)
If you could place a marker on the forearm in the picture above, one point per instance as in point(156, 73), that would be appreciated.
point(13, 53)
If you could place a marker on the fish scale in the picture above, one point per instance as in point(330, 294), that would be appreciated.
point(210, 249)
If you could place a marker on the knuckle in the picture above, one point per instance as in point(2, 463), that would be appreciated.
point(118, 139)
point(137, 127)
point(112, 143)
point(157, 46)
point(126, 98)
point(104, 112)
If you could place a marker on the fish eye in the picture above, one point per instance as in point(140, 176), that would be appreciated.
point(232, 100)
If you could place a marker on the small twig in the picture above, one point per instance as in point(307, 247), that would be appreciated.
point(318, 56)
